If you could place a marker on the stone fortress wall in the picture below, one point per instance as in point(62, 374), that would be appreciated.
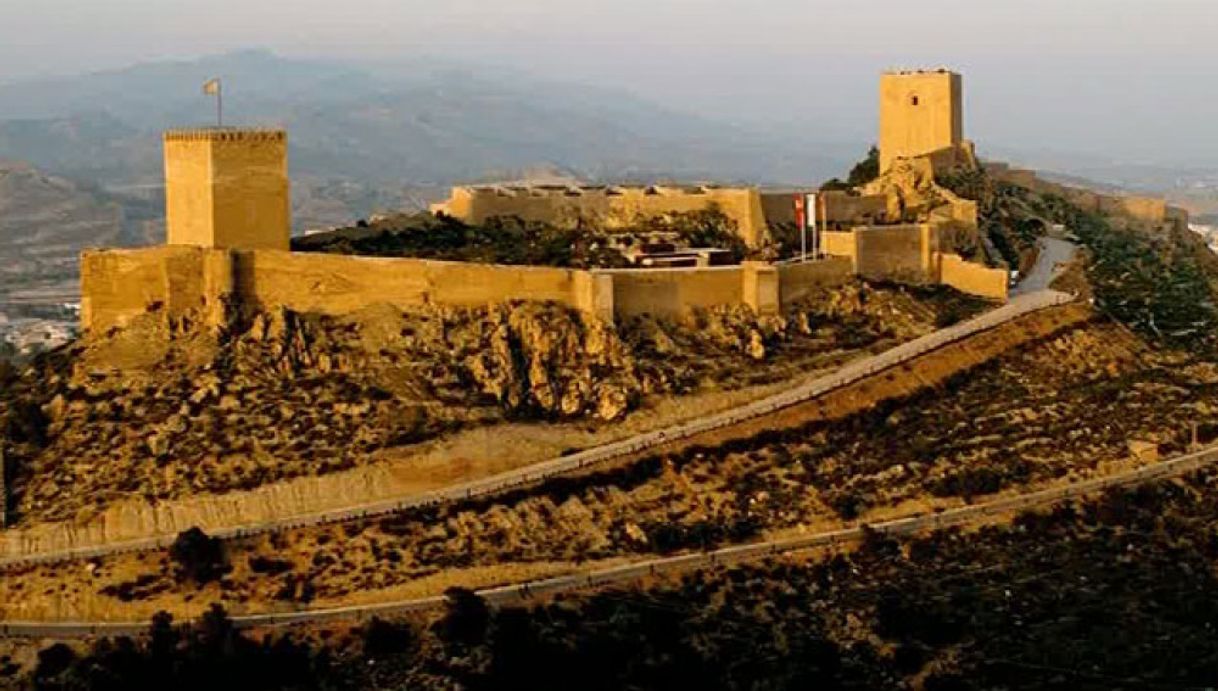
point(180, 281)
point(913, 254)
point(1147, 212)
point(607, 206)
point(228, 232)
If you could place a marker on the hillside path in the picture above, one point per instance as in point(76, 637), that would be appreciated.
point(990, 512)
point(18, 548)
point(1054, 254)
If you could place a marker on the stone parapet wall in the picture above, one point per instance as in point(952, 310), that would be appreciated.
point(226, 134)
point(900, 252)
point(800, 280)
point(611, 207)
point(340, 284)
point(912, 253)
point(118, 285)
point(835, 208)
point(1151, 212)
point(971, 278)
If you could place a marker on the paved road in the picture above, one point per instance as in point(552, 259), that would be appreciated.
point(517, 593)
point(1054, 254)
point(591, 458)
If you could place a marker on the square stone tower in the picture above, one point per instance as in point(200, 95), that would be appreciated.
point(920, 113)
point(227, 188)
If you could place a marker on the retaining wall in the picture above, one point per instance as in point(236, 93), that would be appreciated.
point(798, 281)
point(971, 278)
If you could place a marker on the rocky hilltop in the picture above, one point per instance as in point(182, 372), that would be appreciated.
point(167, 408)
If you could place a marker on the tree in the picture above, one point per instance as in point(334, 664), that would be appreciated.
point(465, 619)
point(198, 557)
point(835, 185)
point(865, 170)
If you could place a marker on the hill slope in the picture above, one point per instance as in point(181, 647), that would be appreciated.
point(45, 221)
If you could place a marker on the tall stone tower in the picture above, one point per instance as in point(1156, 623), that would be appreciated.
point(227, 188)
point(920, 113)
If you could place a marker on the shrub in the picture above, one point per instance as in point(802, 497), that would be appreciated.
point(198, 557)
point(465, 619)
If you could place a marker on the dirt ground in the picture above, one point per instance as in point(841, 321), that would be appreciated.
point(1070, 406)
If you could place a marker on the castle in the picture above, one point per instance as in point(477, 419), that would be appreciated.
point(922, 114)
point(227, 188)
point(228, 233)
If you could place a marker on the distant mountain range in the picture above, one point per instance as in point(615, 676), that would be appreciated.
point(84, 152)
point(408, 123)
point(363, 138)
point(45, 221)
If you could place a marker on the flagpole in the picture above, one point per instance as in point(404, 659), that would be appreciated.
point(219, 104)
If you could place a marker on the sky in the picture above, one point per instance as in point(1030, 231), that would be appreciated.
point(1128, 80)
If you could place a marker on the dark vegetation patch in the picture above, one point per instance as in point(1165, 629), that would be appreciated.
point(1115, 592)
point(510, 240)
point(1158, 282)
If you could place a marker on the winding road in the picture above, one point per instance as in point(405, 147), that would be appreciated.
point(1054, 254)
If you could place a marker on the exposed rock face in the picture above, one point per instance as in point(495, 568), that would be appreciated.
point(545, 359)
point(167, 408)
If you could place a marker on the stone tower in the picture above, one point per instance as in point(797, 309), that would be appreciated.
point(920, 113)
point(227, 188)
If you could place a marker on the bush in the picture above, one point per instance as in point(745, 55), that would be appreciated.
point(386, 639)
point(865, 170)
point(198, 557)
point(466, 618)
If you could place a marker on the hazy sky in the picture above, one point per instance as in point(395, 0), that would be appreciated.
point(1132, 79)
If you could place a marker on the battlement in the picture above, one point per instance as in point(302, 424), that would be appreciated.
point(226, 134)
point(593, 190)
point(916, 71)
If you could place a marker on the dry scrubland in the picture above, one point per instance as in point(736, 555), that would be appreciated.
point(162, 411)
point(1112, 592)
point(1056, 410)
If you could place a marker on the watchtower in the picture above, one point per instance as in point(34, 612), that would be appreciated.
point(227, 188)
point(921, 113)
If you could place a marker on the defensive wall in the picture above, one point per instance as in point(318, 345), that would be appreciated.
point(1149, 212)
point(118, 285)
point(610, 206)
point(912, 253)
point(835, 208)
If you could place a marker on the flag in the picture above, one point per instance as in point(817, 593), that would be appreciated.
point(211, 87)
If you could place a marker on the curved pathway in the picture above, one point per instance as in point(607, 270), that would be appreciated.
point(591, 458)
point(517, 593)
point(1054, 254)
